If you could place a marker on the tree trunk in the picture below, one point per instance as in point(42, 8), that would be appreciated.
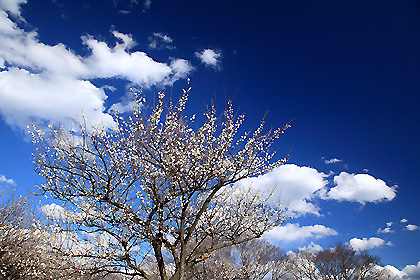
point(157, 247)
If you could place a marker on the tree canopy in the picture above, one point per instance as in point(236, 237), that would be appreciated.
point(155, 191)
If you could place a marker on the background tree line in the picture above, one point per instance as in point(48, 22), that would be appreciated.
point(26, 253)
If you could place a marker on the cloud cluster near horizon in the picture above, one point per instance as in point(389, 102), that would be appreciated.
point(52, 83)
point(297, 186)
point(410, 272)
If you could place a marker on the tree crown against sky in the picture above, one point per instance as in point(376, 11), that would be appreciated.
point(155, 187)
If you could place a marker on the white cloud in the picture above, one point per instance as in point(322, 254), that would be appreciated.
point(4, 180)
point(54, 210)
point(122, 107)
point(12, 6)
point(404, 220)
point(395, 272)
point(294, 185)
point(137, 67)
point(160, 40)
point(51, 83)
point(23, 49)
point(210, 58)
point(126, 105)
point(410, 272)
point(180, 69)
point(365, 243)
point(127, 39)
point(333, 160)
point(385, 230)
point(147, 4)
point(25, 96)
point(412, 227)
point(311, 247)
point(361, 188)
point(293, 232)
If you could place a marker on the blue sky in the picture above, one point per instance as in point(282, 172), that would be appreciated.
point(346, 71)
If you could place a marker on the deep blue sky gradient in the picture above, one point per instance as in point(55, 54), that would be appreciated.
point(347, 71)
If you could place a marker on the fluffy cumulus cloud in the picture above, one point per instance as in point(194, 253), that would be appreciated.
point(210, 58)
point(294, 232)
point(412, 227)
point(297, 186)
point(25, 96)
point(52, 83)
point(360, 188)
point(12, 6)
point(396, 274)
point(410, 272)
point(292, 185)
point(137, 67)
point(367, 243)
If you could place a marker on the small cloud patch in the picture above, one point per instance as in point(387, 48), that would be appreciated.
point(210, 58)
point(160, 40)
point(333, 160)
point(294, 232)
point(365, 243)
point(387, 229)
point(4, 180)
point(412, 227)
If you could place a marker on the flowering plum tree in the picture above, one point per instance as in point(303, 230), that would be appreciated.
point(155, 192)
